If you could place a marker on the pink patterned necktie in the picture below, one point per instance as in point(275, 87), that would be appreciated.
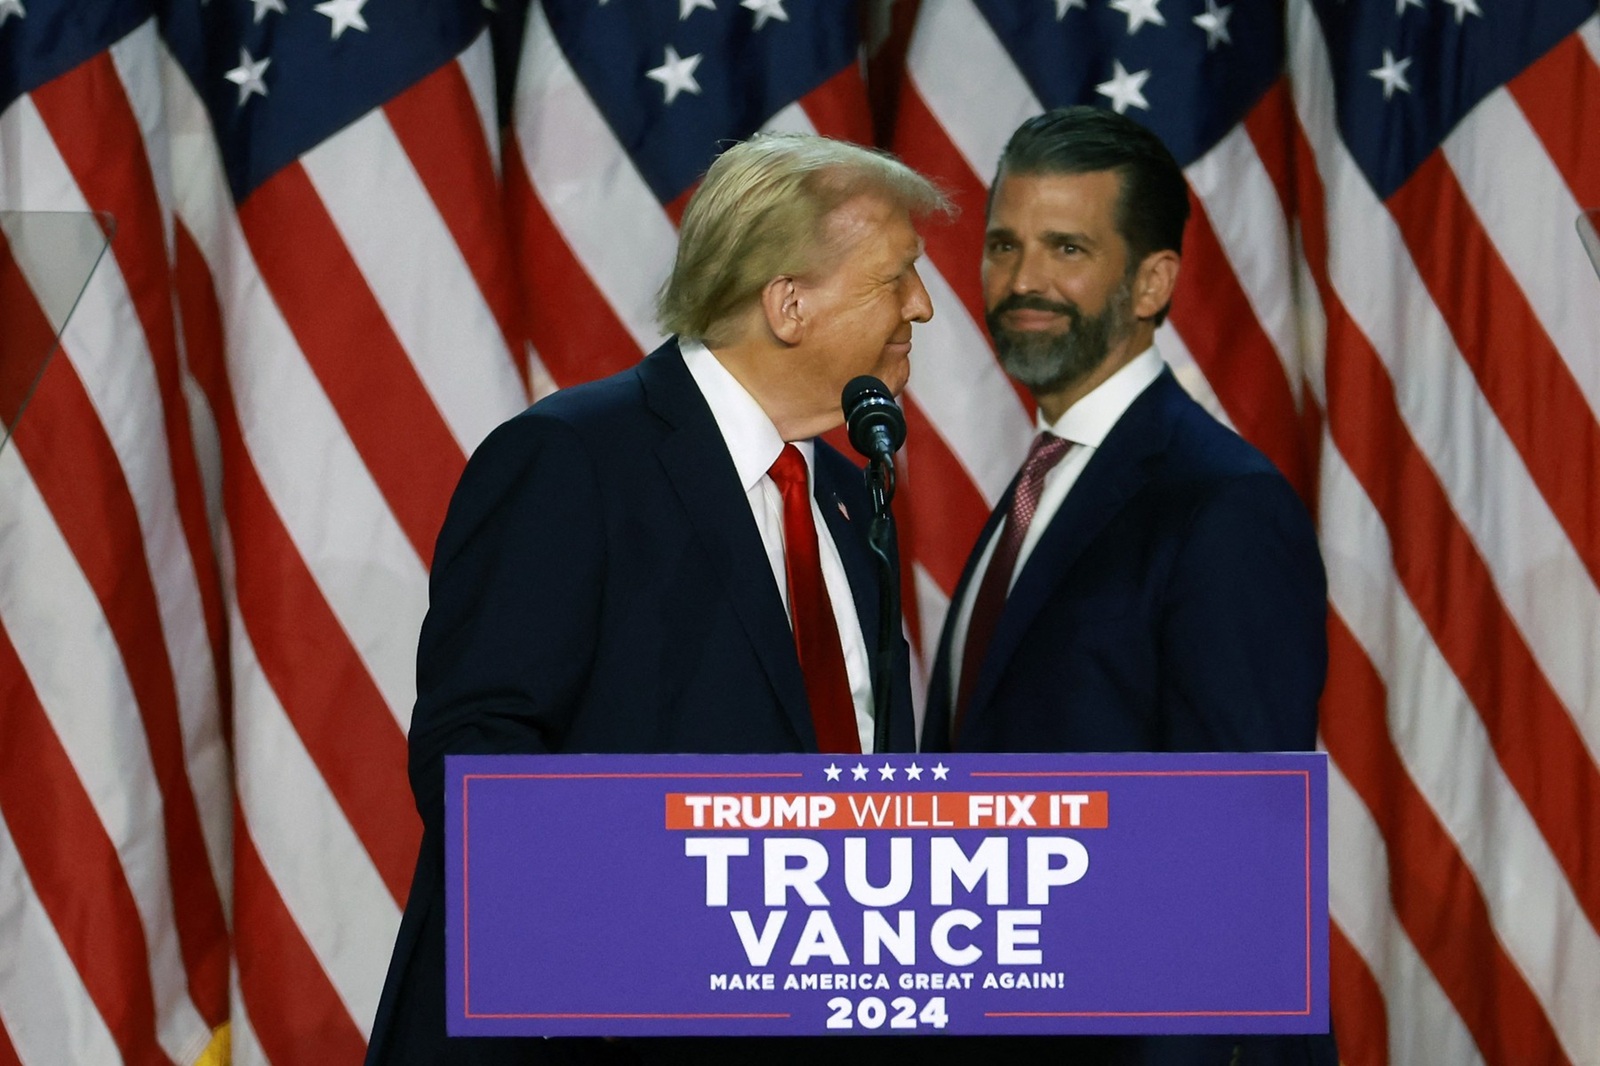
point(1045, 452)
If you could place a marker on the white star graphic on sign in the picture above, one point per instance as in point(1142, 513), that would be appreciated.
point(913, 772)
point(264, 6)
point(1401, 5)
point(1464, 8)
point(1139, 12)
point(346, 15)
point(1063, 6)
point(1215, 23)
point(676, 74)
point(9, 8)
point(940, 772)
point(1392, 74)
point(832, 770)
point(859, 772)
point(1124, 90)
point(686, 6)
point(886, 772)
point(765, 10)
point(247, 75)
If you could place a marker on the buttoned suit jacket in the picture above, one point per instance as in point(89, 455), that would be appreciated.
point(600, 585)
point(1175, 602)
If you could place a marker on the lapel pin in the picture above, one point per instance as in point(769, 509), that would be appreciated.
point(843, 509)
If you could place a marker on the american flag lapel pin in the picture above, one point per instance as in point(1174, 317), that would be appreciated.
point(842, 508)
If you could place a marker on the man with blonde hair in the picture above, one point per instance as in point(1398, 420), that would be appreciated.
point(667, 560)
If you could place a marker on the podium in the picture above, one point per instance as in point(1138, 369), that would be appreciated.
point(46, 259)
point(795, 895)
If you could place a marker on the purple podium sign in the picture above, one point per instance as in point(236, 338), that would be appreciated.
point(674, 895)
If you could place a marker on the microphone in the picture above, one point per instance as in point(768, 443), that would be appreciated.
point(877, 425)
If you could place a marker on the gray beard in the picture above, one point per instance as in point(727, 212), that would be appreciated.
point(1046, 362)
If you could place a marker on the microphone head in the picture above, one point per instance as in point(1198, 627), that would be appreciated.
point(872, 416)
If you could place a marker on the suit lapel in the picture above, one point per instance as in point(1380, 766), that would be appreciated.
point(1118, 469)
point(941, 697)
point(696, 461)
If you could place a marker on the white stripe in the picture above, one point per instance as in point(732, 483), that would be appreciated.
point(67, 651)
point(1448, 753)
point(586, 182)
point(968, 81)
point(362, 561)
point(1504, 171)
point(477, 67)
point(417, 273)
point(1589, 34)
point(1423, 1026)
point(791, 118)
point(136, 58)
point(1537, 573)
point(44, 1006)
point(956, 381)
point(1244, 209)
point(317, 864)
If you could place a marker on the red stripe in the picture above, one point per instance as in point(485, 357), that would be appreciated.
point(1521, 373)
point(1268, 124)
point(1560, 97)
point(77, 473)
point(8, 1051)
point(942, 506)
point(438, 125)
point(1533, 736)
point(577, 334)
point(838, 107)
point(349, 345)
point(107, 160)
point(294, 1010)
point(1360, 1016)
point(1214, 317)
point(73, 865)
point(305, 654)
point(1435, 896)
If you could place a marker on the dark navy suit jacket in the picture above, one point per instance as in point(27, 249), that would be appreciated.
point(1176, 602)
point(600, 586)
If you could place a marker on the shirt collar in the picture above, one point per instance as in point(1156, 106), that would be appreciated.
point(1089, 420)
point(752, 440)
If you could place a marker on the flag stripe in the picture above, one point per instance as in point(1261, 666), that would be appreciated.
point(838, 107)
point(1358, 1002)
point(291, 1003)
point(938, 500)
point(331, 313)
point(74, 865)
point(1555, 94)
point(436, 124)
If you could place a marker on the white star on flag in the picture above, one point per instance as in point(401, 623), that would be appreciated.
point(687, 6)
point(1124, 90)
point(832, 771)
point(1392, 74)
point(859, 772)
point(940, 772)
point(913, 772)
point(264, 6)
point(676, 74)
point(1063, 6)
point(346, 15)
point(248, 75)
point(1401, 5)
point(1139, 12)
point(765, 9)
point(1464, 8)
point(1215, 22)
point(886, 772)
point(9, 8)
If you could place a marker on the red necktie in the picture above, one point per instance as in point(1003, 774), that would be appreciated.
point(1045, 453)
point(816, 635)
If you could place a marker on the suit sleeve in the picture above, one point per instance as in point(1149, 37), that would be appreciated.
point(514, 603)
point(1243, 635)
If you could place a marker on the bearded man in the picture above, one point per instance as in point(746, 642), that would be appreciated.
point(1149, 582)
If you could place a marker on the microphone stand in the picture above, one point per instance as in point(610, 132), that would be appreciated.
point(880, 535)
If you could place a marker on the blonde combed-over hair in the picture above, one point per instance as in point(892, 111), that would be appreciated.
point(761, 213)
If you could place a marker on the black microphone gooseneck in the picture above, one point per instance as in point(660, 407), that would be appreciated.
point(877, 428)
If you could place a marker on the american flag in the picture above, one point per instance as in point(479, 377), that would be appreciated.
point(216, 520)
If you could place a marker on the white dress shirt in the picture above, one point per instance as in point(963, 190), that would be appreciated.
point(754, 443)
point(1086, 424)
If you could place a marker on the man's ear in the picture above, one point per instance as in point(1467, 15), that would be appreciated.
point(1154, 283)
point(780, 302)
